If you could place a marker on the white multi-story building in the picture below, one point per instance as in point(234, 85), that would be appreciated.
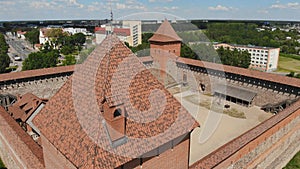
point(43, 38)
point(73, 31)
point(135, 31)
point(122, 33)
point(262, 58)
point(127, 31)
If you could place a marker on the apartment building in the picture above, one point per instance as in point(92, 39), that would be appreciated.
point(262, 58)
point(127, 31)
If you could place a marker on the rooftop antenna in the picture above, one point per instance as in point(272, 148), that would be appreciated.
point(111, 17)
point(111, 43)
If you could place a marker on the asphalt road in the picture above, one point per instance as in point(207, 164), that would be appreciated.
point(18, 47)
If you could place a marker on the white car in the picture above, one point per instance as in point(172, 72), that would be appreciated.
point(17, 58)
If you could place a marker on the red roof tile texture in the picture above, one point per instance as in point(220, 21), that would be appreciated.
point(28, 150)
point(36, 73)
point(165, 33)
point(118, 31)
point(72, 119)
point(122, 31)
point(25, 106)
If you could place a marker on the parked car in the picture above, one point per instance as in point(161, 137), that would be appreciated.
point(17, 58)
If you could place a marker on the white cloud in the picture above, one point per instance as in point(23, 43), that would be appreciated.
point(290, 5)
point(167, 9)
point(74, 2)
point(221, 8)
point(129, 4)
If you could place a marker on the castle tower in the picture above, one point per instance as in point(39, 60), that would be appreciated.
point(165, 46)
point(165, 39)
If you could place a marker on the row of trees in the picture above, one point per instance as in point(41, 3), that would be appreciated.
point(4, 58)
point(47, 57)
point(206, 52)
point(200, 51)
point(293, 74)
point(246, 33)
point(234, 57)
point(60, 43)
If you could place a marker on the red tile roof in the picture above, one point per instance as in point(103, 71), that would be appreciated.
point(21, 32)
point(122, 31)
point(35, 73)
point(31, 153)
point(165, 33)
point(71, 120)
point(118, 31)
point(100, 29)
point(25, 106)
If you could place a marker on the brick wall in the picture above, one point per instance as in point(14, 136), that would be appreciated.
point(17, 148)
point(53, 158)
point(176, 159)
point(266, 150)
point(269, 145)
point(167, 47)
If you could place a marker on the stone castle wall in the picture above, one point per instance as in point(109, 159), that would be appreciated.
point(44, 87)
point(274, 147)
point(17, 148)
point(269, 145)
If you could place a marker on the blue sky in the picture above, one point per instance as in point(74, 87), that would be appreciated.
point(149, 9)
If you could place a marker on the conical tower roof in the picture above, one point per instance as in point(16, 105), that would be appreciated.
point(165, 33)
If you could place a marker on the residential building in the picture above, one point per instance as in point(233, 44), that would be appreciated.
point(73, 31)
point(135, 31)
point(262, 58)
point(21, 34)
point(43, 38)
point(127, 31)
point(122, 33)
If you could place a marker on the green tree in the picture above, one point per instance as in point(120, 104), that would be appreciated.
point(234, 57)
point(41, 59)
point(291, 74)
point(4, 62)
point(33, 36)
point(187, 52)
point(69, 60)
point(79, 39)
point(67, 49)
point(4, 58)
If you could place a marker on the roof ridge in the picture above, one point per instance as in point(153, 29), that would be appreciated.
point(165, 33)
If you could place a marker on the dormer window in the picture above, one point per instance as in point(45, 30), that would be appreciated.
point(117, 112)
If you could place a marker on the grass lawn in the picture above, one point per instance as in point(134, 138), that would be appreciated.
point(294, 163)
point(287, 64)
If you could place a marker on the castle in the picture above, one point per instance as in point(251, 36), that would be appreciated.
point(112, 112)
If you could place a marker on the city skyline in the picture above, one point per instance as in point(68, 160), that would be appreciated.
point(14, 10)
